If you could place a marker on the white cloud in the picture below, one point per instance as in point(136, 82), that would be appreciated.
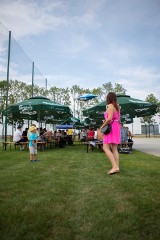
point(88, 20)
point(140, 81)
point(34, 17)
point(141, 74)
point(30, 17)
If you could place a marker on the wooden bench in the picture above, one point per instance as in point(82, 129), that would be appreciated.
point(5, 144)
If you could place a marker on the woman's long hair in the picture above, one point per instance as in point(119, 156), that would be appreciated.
point(112, 98)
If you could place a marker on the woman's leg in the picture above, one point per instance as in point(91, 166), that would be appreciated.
point(115, 153)
point(108, 152)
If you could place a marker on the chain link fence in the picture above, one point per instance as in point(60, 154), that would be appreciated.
point(21, 67)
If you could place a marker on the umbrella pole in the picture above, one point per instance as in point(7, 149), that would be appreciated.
point(12, 128)
point(39, 123)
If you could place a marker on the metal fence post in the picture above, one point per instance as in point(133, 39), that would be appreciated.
point(6, 118)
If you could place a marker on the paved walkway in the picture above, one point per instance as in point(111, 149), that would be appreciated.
point(147, 145)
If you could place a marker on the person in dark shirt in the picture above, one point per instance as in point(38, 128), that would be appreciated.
point(24, 135)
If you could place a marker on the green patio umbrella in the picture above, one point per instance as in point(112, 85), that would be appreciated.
point(38, 108)
point(130, 108)
point(96, 122)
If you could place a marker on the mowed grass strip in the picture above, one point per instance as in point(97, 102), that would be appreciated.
point(68, 195)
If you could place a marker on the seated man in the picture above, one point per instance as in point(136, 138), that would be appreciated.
point(18, 139)
point(69, 137)
point(124, 135)
point(24, 135)
point(63, 137)
point(60, 139)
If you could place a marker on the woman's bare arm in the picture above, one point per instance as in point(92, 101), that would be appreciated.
point(110, 111)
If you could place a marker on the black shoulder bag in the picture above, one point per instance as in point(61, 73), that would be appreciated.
point(106, 129)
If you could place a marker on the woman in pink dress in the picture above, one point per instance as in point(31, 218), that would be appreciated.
point(110, 141)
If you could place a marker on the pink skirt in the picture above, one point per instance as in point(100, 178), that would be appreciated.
point(114, 137)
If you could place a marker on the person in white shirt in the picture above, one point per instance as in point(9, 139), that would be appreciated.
point(17, 138)
point(83, 135)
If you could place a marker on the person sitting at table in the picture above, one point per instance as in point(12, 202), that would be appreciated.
point(18, 139)
point(63, 137)
point(83, 135)
point(24, 135)
point(91, 134)
point(44, 130)
point(47, 136)
point(129, 133)
point(69, 137)
point(54, 136)
point(41, 131)
point(69, 133)
point(60, 139)
point(124, 135)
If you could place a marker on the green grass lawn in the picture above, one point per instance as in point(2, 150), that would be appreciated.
point(68, 195)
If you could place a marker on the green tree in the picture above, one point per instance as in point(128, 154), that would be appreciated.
point(108, 87)
point(149, 120)
point(15, 93)
point(75, 91)
point(152, 99)
point(99, 92)
point(3, 88)
point(119, 88)
point(65, 99)
point(56, 94)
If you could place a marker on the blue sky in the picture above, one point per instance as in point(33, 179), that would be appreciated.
point(90, 42)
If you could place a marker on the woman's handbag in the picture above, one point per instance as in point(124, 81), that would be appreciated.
point(106, 129)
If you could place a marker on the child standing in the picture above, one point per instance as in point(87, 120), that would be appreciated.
point(33, 144)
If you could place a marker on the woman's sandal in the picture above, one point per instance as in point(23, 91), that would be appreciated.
point(113, 172)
